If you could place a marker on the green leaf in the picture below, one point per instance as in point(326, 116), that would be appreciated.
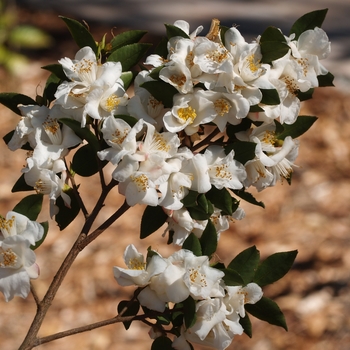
point(85, 168)
point(221, 199)
point(21, 185)
point(244, 125)
point(191, 199)
point(232, 278)
point(273, 45)
point(202, 202)
point(162, 48)
point(325, 80)
point(189, 312)
point(274, 267)
point(299, 127)
point(84, 133)
point(30, 206)
point(243, 150)
point(80, 33)
point(209, 239)
point(152, 219)
point(161, 91)
point(270, 97)
point(127, 38)
point(267, 310)
point(129, 55)
point(56, 69)
point(45, 225)
point(248, 197)
point(172, 31)
point(255, 109)
point(308, 21)
point(197, 213)
point(11, 100)
point(132, 310)
point(223, 30)
point(247, 325)
point(192, 243)
point(66, 215)
point(162, 343)
point(246, 263)
point(306, 95)
point(50, 88)
point(127, 78)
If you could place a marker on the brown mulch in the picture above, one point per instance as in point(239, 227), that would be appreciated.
point(312, 215)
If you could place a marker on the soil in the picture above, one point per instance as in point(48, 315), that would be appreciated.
point(312, 215)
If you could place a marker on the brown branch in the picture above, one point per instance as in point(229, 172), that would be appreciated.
point(206, 140)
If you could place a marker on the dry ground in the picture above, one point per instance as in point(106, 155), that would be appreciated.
point(312, 215)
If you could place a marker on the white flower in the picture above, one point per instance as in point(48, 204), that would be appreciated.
point(137, 272)
point(237, 296)
point(189, 111)
point(17, 260)
point(223, 170)
point(18, 224)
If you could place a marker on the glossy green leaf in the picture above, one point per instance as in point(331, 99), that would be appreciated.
point(152, 219)
point(190, 200)
point(162, 91)
point(243, 150)
point(232, 278)
point(193, 244)
point(244, 125)
point(132, 310)
point(246, 263)
point(255, 109)
point(127, 78)
point(50, 88)
point(325, 80)
point(21, 185)
point(162, 48)
point(66, 215)
point(270, 97)
point(202, 202)
point(127, 38)
point(56, 69)
point(306, 95)
point(189, 312)
point(248, 197)
point(198, 213)
point(12, 99)
point(298, 128)
point(221, 199)
point(45, 225)
point(80, 33)
point(308, 21)
point(85, 161)
point(162, 343)
point(129, 55)
point(274, 267)
point(267, 310)
point(84, 133)
point(172, 31)
point(247, 325)
point(30, 206)
point(273, 45)
point(209, 239)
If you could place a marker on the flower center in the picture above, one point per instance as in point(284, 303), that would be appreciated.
point(135, 264)
point(252, 64)
point(141, 182)
point(111, 103)
point(119, 136)
point(196, 277)
point(222, 106)
point(159, 143)
point(221, 171)
point(84, 69)
point(42, 187)
point(8, 258)
point(7, 226)
point(218, 56)
point(178, 80)
point(187, 115)
point(53, 130)
point(291, 85)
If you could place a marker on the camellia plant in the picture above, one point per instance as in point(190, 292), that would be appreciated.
point(208, 118)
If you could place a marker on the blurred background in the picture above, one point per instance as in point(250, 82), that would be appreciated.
point(312, 215)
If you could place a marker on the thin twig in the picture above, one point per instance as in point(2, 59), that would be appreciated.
point(35, 295)
point(206, 140)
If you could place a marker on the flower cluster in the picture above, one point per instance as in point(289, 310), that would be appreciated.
point(17, 260)
point(172, 280)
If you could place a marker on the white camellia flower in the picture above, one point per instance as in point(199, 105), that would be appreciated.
point(17, 260)
point(137, 272)
point(223, 170)
point(189, 111)
point(237, 296)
